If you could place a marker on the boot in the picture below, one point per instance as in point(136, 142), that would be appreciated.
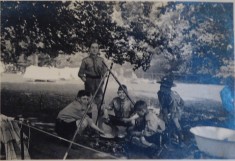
point(181, 136)
point(166, 142)
point(181, 139)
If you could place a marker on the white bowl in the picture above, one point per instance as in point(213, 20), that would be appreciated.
point(215, 141)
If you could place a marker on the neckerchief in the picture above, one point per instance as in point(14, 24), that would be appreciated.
point(94, 60)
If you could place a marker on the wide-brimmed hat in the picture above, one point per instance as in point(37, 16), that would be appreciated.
point(167, 81)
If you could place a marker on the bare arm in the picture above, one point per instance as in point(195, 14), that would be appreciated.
point(92, 125)
point(162, 126)
point(132, 118)
point(96, 128)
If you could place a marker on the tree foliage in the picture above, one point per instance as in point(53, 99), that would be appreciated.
point(191, 37)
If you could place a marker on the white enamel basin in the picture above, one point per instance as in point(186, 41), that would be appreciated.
point(215, 141)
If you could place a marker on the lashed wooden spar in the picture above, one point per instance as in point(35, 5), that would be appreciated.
point(10, 137)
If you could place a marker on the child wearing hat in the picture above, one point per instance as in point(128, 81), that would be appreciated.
point(171, 106)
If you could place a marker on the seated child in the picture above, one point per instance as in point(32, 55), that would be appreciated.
point(148, 126)
point(122, 107)
point(69, 118)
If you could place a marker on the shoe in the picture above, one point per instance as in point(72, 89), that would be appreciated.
point(181, 136)
point(121, 136)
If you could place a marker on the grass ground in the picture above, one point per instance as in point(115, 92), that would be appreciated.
point(43, 100)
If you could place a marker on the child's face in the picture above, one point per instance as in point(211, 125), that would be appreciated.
point(142, 112)
point(121, 94)
point(84, 100)
point(94, 49)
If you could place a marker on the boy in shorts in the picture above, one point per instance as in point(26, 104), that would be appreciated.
point(122, 108)
point(148, 126)
point(69, 118)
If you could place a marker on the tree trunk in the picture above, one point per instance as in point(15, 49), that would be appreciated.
point(35, 59)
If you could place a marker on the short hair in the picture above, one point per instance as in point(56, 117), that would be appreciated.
point(82, 93)
point(94, 42)
point(121, 87)
point(140, 105)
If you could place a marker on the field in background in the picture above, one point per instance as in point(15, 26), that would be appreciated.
point(29, 95)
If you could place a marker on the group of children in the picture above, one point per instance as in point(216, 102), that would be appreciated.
point(143, 126)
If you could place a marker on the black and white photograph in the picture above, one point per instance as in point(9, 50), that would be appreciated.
point(117, 80)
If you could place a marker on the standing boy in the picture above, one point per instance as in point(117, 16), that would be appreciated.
point(171, 106)
point(91, 72)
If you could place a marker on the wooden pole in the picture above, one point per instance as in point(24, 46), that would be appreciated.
point(22, 143)
point(119, 84)
point(83, 117)
point(104, 92)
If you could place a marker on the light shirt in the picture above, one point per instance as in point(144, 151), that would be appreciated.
point(74, 111)
point(92, 66)
point(153, 123)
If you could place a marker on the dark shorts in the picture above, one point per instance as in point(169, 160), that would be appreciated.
point(155, 138)
point(64, 129)
point(92, 84)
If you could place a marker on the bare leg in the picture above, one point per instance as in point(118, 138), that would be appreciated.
point(94, 113)
point(179, 130)
point(177, 124)
point(83, 125)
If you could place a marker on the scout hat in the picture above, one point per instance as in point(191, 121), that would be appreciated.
point(167, 81)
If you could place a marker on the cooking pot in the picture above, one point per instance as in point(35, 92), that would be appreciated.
point(109, 131)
